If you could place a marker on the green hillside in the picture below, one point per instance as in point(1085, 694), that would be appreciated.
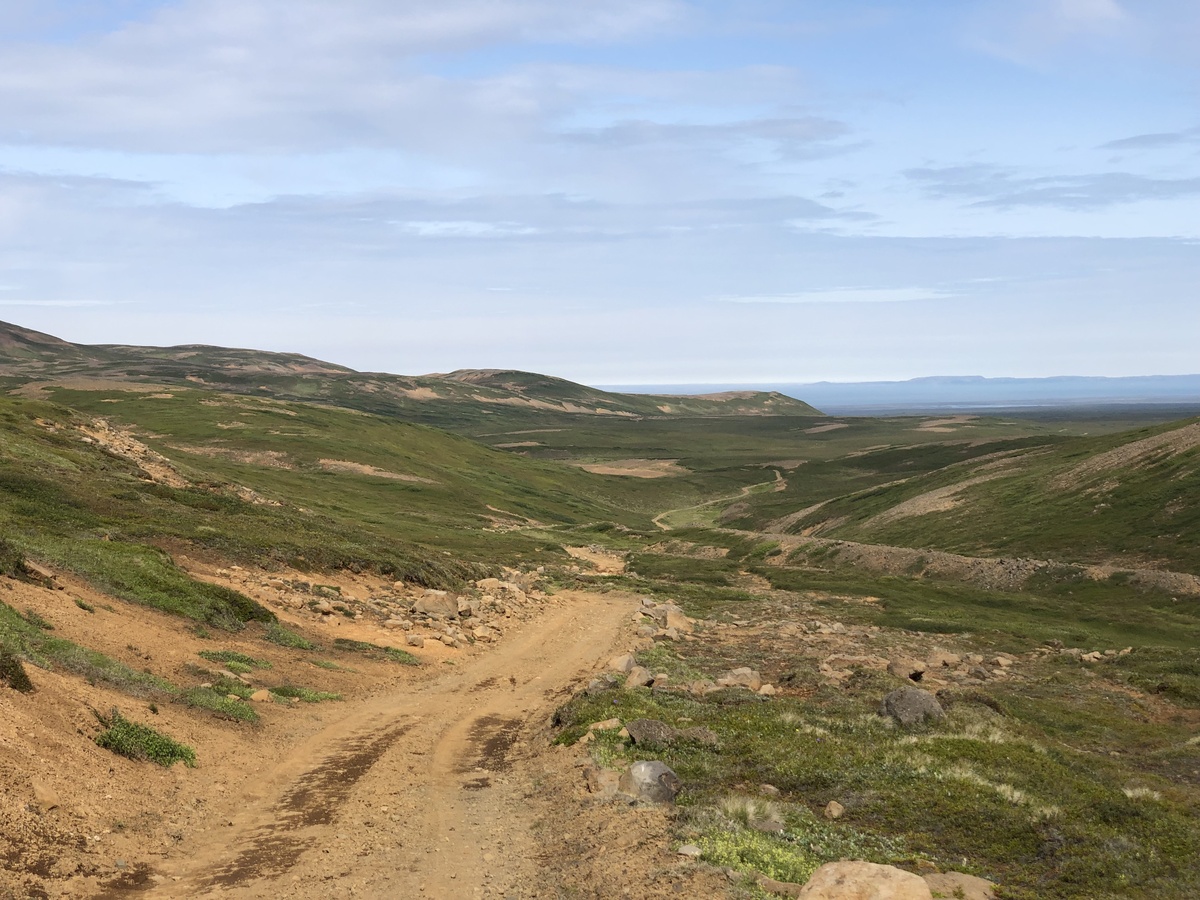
point(457, 400)
point(1131, 498)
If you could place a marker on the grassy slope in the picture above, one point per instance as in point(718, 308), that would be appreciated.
point(468, 396)
point(1057, 502)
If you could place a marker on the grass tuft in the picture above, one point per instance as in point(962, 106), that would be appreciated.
point(136, 741)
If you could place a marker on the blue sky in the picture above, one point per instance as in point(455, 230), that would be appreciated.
point(615, 191)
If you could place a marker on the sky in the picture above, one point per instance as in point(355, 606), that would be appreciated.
point(612, 191)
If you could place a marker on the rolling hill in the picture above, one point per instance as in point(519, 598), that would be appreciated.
point(459, 398)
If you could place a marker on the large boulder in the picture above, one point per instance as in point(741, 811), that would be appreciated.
point(651, 732)
point(662, 612)
point(741, 677)
point(652, 782)
point(911, 706)
point(437, 603)
point(864, 881)
point(638, 676)
point(960, 885)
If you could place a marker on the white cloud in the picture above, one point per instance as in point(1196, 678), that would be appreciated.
point(1090, 13)
point(264, 75)
point(847, 295)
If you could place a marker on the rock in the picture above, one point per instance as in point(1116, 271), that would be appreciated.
point(960, 885)
point(979, 672)
point(767, 690)
point(324, 607)
point(834, 810)
point(606, 725)
point(691, 851)
point(393, 624)
point(638, 676)
point(622, 663)
point(742, 677)
point(415, 640)
point(1094, 656)
point(661, 680)
point(864, 881)
point(702, 687)
point(678, 621)
point(1004, 662)
point(911, 706)
point(263, 696)
point(483, 633)
point(45, 796)
point(601, 781)
point(940, 659)
point(447, 640)
point(437, 603)
point(646, 631)
point(912, 669)
point(464, 608)
point(651, 732)
point(651, 781)
point(769, 790)
point(698, 734)
point(780, 888)
point(488, 584)
point(600, 685)
point(661, 613)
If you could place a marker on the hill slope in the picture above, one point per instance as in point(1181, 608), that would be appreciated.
point(459, 398)
point(1131, 498)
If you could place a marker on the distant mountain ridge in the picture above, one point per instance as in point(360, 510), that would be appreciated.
point(29, 358)
point(971, 392)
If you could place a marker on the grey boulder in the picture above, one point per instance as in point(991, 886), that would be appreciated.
point(911, 706)
point(651, 781)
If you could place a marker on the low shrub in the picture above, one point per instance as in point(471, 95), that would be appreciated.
point(13, 673)
point(136, 741)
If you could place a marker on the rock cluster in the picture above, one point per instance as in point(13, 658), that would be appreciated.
point(480, 616)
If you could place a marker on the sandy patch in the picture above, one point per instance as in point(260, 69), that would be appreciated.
point(604, 562)
point(786, 464)
point(935, 501)
point(517, 444)
point(272, 459)
point(821, 429)
point(346, 467)
point(420, 393)
point(945, 425)
point(636, 468)
point(122, 443)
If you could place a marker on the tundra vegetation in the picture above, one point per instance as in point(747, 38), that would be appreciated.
point(1060, 551)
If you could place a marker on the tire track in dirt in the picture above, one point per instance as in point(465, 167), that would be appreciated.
point(420, 793)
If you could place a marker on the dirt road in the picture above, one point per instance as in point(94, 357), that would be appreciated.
point(428, 793)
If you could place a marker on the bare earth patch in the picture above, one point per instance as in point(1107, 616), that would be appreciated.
point(518, 444)
point(940, 500)
point(821, 429)
point(122, 443)
point(946, 425)
point(273, 459)
point(636, 468)
point(604, 562)
point(352, 468)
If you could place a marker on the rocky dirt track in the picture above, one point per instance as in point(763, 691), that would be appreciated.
point(428, 793)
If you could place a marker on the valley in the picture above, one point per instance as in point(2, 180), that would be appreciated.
point(399, 636)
